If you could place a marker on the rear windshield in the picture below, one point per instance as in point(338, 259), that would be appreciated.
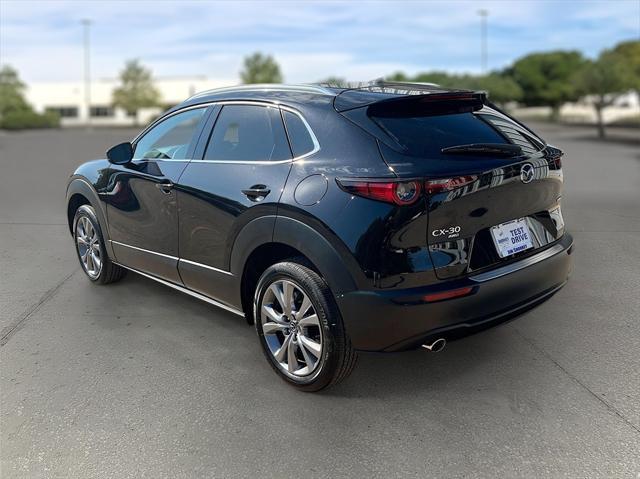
point(426, 136)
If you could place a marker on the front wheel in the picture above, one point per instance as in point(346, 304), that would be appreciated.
point(300, 328)
point(91, 248)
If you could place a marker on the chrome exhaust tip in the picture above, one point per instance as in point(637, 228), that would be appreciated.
point(436, 346)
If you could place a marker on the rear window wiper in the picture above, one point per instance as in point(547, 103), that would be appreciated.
point(493, 149)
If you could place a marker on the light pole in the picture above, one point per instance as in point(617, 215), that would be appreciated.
point(86, 24)
point(483, 39)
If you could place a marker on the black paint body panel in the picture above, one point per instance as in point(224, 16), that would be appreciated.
point(376, 257)
point(398, 320)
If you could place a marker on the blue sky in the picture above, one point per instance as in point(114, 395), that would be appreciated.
point(358, 40)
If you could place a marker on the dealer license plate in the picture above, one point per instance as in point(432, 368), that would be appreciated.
point(511, 237)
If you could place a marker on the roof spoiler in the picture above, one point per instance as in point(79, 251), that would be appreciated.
point(428, 105)
point(399, 93)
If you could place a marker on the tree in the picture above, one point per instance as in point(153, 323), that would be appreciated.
point(11, 92)
point(439, 78)
point(398, 76)
point(502, 89)
point(334, 82)
point(259, 68)
point(629, 53)
point(604, 79)
point(546, 78)
point(137, 90)
point(15, 112)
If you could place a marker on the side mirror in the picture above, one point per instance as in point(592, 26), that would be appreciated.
point(120, 154)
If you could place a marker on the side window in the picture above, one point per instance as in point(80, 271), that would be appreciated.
point(248, 133)
point(299, 136)
point(171, 138)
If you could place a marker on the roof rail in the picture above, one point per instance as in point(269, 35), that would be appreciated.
point(404, 88)
point(266, 87)
point(377, 85)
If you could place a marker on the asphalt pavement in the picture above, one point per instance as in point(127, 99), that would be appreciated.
point(137, 380)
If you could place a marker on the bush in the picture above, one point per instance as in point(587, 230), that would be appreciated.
point(23, 119)
point(627, 121)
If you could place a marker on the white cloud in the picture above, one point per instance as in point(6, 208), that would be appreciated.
point(312, 40)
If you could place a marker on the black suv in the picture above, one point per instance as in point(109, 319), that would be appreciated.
point(382, 218)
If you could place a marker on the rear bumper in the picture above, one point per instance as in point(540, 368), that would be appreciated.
point(399, 319)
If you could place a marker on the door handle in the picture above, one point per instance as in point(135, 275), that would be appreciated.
point(165, 187)
point(256, 192)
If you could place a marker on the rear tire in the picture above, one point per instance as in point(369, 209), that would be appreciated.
point(300, 328)
point(90, 247)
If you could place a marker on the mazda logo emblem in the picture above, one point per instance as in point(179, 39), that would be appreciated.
point(526, 173)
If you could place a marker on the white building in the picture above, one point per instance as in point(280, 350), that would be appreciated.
point(625, 106)
point(68, 99)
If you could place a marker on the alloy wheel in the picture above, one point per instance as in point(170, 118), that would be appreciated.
point(88, 243)
point(291, 328)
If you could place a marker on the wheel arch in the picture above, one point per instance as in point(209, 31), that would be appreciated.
point(75, 201)
point(268, 240)
point(80, 192)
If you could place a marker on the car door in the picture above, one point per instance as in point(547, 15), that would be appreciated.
point(239, 176)
point(142, 207)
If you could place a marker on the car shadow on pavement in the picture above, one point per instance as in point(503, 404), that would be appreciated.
point(140, 297)
point(381, 375)
point(393, 375)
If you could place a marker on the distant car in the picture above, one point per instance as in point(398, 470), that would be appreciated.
point(383, 218)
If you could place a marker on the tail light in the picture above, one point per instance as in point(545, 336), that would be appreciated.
point(403, 192)
point(433, 187)
point(397, 192)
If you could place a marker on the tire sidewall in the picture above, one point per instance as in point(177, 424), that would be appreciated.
point(302, 277)
point(88, 212)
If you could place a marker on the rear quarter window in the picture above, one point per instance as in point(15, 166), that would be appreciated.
point(514, 133)
point(299, 136)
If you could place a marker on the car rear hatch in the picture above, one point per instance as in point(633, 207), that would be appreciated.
point(492, 186)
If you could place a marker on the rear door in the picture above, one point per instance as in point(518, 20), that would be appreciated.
point(241, 166)
point(504, 212)
point(481, 170)
point(141, 200)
